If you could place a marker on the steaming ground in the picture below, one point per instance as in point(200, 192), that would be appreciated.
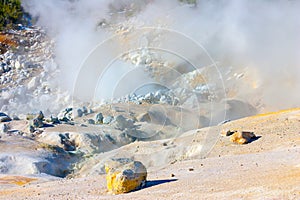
point(260, 37)
point(110, 86)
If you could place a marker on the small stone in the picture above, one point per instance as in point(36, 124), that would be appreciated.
point(99, 118)
point(108, 119)
point(4, 117)
point(79, 113)
point(3, 128)
point(29, 116)
point(66, 115)
point(91, 121)
point(32, 84)
point(15, 117)
point(40, 116)
point(31, 129)
point(37, 123)
point(54, 120)
point(191, 169)
point(242, 137)
point(17, 65)
point(84, 110)
point(227, 133)
point(125, 175)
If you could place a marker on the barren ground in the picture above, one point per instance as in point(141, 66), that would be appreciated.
point(267, 168)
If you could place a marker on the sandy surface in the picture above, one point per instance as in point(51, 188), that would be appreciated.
point(267, 168)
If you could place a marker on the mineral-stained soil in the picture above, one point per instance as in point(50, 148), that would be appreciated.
point(210, 167)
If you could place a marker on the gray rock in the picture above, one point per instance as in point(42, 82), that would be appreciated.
point(66, 115)
point(84, 110)
point(3, 128)
point(54, 120)
point(4, 117)
point(79, 113)
point(108, 119)
point(91, 111)
point(31, 129)
point(37, 123)
point(120, 122)
point(40, 116)
point(91, 121)
point(33, 83)
point(15, 117)
point(99, 118)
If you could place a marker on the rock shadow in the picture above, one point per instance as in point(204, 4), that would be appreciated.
point(157, 182)
point(254, 139)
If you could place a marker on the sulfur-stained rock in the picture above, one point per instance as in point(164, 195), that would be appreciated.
point(124, 175)
point(242, 137)
point(227, 133)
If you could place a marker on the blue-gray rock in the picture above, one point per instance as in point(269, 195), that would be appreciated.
point(79, 113)
point(3, 128)
point(120, 122)
point(99, 118)
point(91, 121)
point(37, 123)
point(85, 110)
point(31, 129)
point(40, 116)
point(66, 115)
point(4, 117)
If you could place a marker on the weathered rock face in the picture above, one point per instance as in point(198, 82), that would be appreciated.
point(125, 175)
point(242, 137)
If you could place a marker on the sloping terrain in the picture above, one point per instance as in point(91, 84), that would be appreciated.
point(267, 167)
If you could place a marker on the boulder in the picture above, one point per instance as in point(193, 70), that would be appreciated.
point(125, 175)
point(242, 137)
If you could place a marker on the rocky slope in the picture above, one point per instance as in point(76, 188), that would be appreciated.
point(268, 166)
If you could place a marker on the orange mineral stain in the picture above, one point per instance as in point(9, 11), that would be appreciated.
point(17, 180)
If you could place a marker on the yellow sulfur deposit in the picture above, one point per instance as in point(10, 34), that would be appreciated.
point(242, 137)
point(18, 180)
point(124, 175)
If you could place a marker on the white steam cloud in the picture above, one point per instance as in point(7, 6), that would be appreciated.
point(259, 38)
